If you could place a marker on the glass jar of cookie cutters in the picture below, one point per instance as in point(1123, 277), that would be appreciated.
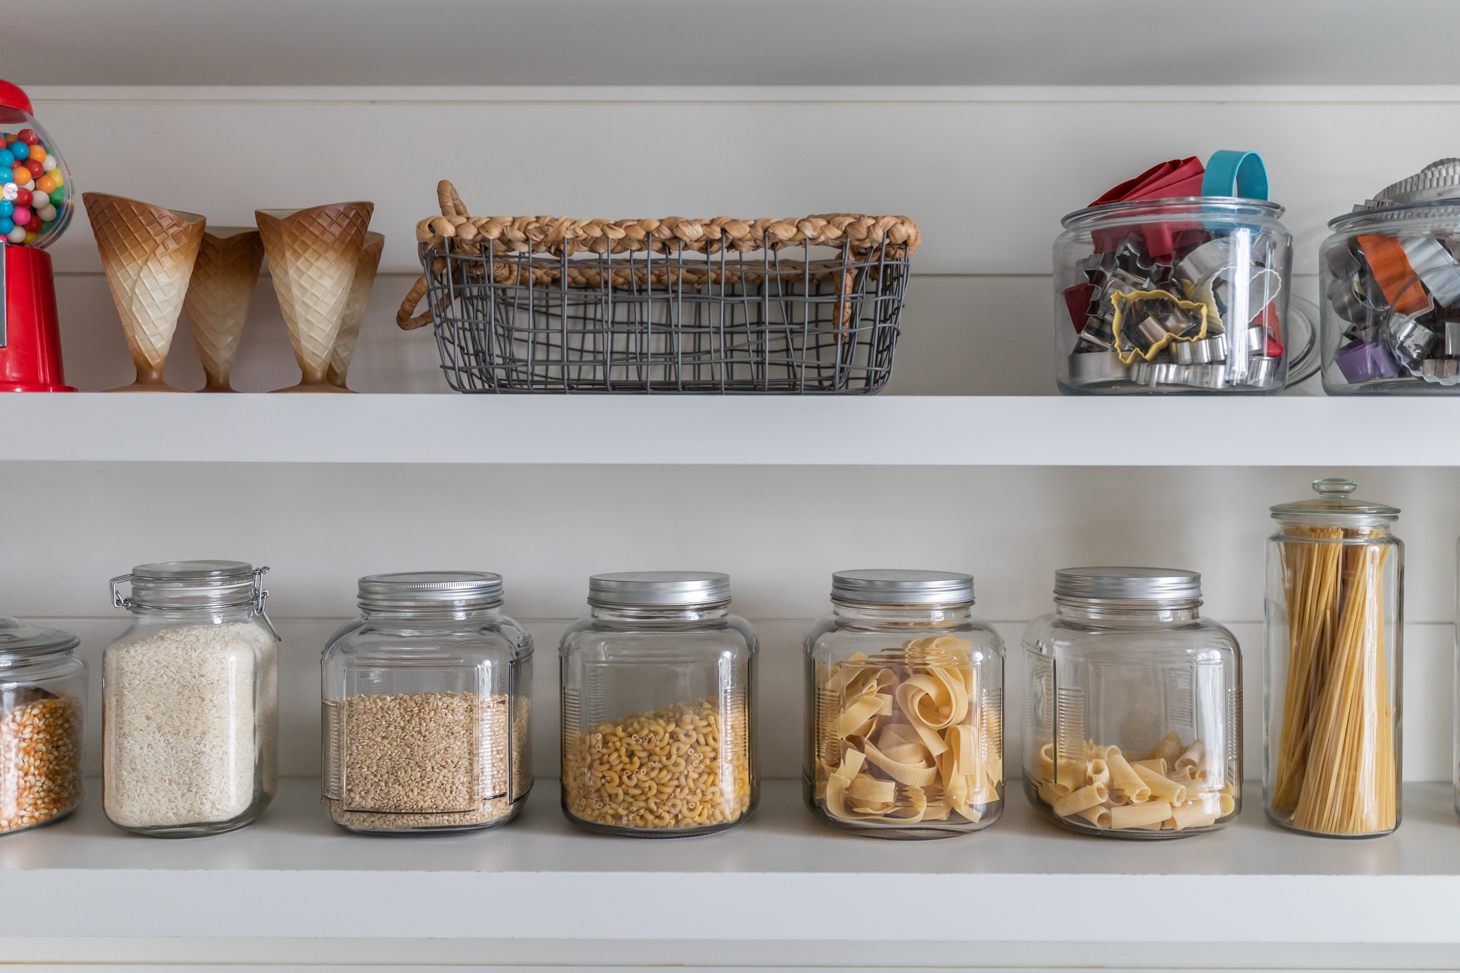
point(1184, 295)
point(42, 705)
point(906, 723)
point(658, 696)
point(1133, 709)
point(1334, 627)
point(1390, 283)
point(427, 707)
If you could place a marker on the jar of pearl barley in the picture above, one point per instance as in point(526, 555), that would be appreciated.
point(658, 687)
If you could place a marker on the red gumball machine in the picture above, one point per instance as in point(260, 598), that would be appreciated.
point(35, 209)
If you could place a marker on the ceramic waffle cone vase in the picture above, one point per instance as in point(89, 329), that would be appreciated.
point(148, 254)
point(344, 348)
point(224, 278)
point(313, 254)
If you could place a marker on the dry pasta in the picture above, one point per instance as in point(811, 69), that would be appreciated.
point(907, 736)
point(1116, 791)
point(1335, 760)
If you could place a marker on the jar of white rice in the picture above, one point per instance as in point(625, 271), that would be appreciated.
point(190, 709)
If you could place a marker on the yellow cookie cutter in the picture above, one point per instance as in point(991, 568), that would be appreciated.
point(1132, 297)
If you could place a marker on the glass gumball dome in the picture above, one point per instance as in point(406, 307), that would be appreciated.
point(35, 186)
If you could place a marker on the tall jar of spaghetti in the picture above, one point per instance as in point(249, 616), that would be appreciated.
point(1334, 633)
point(905, 728)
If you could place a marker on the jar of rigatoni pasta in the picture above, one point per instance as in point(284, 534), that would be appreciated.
point(1334, 628)
point(905, 723)
point(1133, 709)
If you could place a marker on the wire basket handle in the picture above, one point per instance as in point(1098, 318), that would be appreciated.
point(406, 319)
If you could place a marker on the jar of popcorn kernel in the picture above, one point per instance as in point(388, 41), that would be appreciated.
point(1133, 707)
point(658, 687)
point(906, 732)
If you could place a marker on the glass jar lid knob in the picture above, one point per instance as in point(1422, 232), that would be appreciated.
point(1334, 486)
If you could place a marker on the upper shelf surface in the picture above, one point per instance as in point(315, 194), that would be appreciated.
point(747, 42)
point(781, 876)
point(745, 430)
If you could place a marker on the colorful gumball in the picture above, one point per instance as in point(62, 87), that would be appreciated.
point(6, 225)
point(58, 197)
point(35, 169)
point(38, 153)
point(21, 216)
point(7, 208)
point(20, 175)
point(49, 163)
point(28, 136)
point(17, 235)
point(7, 159)
point(46, 184)
point(34, 226)
point(22, 197)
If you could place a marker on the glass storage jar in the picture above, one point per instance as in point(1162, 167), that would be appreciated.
point(658, 692)
point(1390, 280)
point(1133, 716)
point(905, 707)
point(1151, 296)
point(1334, 630)
point(427, 707)
point(190, 710)
point(42, 705)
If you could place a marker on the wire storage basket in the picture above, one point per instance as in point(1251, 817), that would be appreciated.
point(551, 304)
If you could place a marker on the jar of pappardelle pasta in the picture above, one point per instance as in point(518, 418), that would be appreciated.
point(658, 689)
point(427, 704)
point(1133, 717)
point(1334, 628)
point(904, 735)
point(190, 701)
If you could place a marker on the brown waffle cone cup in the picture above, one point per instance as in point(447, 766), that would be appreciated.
point(148, 254)
point(344, 348)
point(313, 254)
point(224, 278)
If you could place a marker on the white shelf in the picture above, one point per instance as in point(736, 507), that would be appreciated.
point(779, 877)
point(747, 42)
point(771, 430)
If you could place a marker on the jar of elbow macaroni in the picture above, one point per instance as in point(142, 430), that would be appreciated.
point(658, 685)
point(1133, 712)
point(906, 723)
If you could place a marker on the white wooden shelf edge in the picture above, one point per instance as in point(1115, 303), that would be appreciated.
point(781, 876)
point(742, 430)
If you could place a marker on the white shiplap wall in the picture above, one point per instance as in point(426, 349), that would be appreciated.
point(986, 171)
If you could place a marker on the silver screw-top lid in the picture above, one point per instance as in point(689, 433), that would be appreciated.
point(890, 586)
point(426, 590)
point(1127, 584)
point(19, 638)
point(180, 585)
point(659, 589)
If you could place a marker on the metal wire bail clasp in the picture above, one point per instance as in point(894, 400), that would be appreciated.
point(261, 595)
point(117, 600)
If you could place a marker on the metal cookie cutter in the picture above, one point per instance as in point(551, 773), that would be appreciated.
point(1096, 368)
point(1122, 301)
point(1436, 266)
point(1410, 341)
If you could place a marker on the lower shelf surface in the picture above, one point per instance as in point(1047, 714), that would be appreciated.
point(780, 877)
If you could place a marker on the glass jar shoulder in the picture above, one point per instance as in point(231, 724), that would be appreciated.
point(498, 639)
point(1061, 636)
point(609, 640)
point(834, 638)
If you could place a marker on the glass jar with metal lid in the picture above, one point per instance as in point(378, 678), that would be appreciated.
point(905, 709)
point(42, 704)
point(427, 707)
point(658, 694)
point(1334, 629)
point(1133, 714)
point(1390, 279)
point(1185, 295)
point(190, 713)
